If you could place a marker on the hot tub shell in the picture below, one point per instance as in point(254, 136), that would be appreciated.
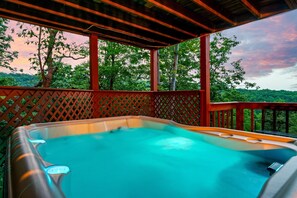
point(26, 170)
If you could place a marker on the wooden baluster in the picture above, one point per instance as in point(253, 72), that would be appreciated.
point(239, 118)
point(232, 120)
point(287, 121)
point(219, 118)
point(274, 120)
point(213, 118)
point(252, 120)
point(223, 119)
point(228, 119)
point(263, 119)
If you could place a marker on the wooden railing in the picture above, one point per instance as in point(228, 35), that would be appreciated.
point(274, 117)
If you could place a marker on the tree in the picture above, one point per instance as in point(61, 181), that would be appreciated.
point(52, 48)
point(123, 67)
point(225, 77)
point(7, 81)
point(77, 77)
point(6, 56)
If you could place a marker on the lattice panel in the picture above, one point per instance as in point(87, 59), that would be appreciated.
point(180, 106)
point(117, 103)
point(25, 106)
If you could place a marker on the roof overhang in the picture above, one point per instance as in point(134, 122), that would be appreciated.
point(150, 24)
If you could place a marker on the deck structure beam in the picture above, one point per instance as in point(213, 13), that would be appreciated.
point(154, 69)
point(94, 72)
point(179, 11)
point(252, 8)
point(210, 6)
point(205, 79)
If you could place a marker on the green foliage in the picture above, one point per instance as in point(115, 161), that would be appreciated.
point(7, 81)
point(225, 78)
point(6, 56)
point(123, 67)
point(266, 95)
point(74, 78)
point(187, 76)
point(18, 79)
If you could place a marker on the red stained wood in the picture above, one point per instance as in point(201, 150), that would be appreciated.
point(179, 11)
point(145, 15)
point(287, 121)
point(205, 77)
point(76, 6)
point(213, 10)
point(273, 120)
point(252, 8)
point(94, 76)
point(154, 69)
point(252, 120)
point(91, 23)
point(263, 119)
point(239, 118)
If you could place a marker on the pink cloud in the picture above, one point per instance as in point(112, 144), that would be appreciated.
point(267, 44)
point(27, 51)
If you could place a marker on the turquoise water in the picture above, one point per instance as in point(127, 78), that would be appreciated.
point(148, 163)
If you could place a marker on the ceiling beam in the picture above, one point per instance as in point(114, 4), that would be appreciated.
point(214, 10)
point(40, 19)
point(146, 16)
point(64, 15)
point(70, 27)
point(78, 7)
point(252, 9)
point(181, 12)
point(292, 4)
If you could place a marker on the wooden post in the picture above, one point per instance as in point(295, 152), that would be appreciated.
point(94, 62)
point(205, 78)
point(154, 70)
point(94, 77)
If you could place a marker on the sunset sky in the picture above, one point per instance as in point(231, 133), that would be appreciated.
point(268, 49)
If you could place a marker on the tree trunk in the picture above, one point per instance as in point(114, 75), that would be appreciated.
point(174, 69)
point(51, 68)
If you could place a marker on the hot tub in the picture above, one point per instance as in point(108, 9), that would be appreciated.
point(136, 156)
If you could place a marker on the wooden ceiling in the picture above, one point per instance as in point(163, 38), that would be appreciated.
point(150, 24)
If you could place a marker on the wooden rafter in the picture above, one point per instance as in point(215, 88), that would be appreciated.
point(179, 11)
point(70, 28)
point(145, 16)
point(252, 8)
point(85, 21)
point(291, 3)
point(40, 19)
point(205, 4)
point(76, 6)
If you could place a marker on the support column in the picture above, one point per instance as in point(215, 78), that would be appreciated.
point(205, 80)
point(154, 70)
point(94, 62)
point(94, 77)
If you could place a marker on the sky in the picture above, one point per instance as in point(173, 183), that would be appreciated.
point(268, 49)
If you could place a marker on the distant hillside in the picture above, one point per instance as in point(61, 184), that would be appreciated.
point(266, 95)
point(25, 80)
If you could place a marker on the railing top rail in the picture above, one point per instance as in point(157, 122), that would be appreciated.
point(103, 91)
point(41, 89)
point(217, 106)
